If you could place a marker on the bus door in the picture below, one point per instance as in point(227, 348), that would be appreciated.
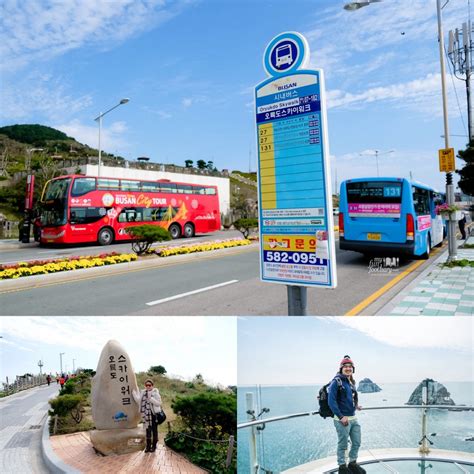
point(421, 206)
point(437, 222)
point(374, 212)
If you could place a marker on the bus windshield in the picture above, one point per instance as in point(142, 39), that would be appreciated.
point(374, 198)
point(56, 189)
point(54, 205)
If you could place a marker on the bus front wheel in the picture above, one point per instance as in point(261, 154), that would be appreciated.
point(188, 230)
point(105, 236)
point(175, 231)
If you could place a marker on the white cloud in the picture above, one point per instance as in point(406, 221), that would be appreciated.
point(15, 345)
point(407, 332)
point(187, 102)
point(39, 30)
point(111, 135)
point(40, 94)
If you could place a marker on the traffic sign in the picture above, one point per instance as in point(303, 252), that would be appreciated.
point(446, 160)
point(295, 211)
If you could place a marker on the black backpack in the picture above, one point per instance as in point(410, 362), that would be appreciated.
point(324, 409)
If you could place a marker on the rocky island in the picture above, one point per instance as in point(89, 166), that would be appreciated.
point(437, 394)
point(367, 386)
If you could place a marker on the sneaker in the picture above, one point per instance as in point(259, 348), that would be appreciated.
point(343, 469)
point(354, 468)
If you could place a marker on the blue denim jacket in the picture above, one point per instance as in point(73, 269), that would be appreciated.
point(341, 400)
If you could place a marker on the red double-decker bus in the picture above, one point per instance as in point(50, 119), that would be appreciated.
point(79, 209)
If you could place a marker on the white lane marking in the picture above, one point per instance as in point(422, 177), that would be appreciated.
point(183, 295)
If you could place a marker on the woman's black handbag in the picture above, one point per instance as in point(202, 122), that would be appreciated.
point(161, 416)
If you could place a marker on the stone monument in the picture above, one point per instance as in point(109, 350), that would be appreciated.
point(115, 412)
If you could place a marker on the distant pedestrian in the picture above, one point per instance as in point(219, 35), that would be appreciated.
point(62, 381)
point(343, 401)
point(462, 225)
point(48, 379)
point(149, 401)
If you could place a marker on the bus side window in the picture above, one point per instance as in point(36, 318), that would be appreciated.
point(421, 201)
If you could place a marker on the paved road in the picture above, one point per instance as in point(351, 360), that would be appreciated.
point(33, 251)
point(22, 417)
point(208, 284)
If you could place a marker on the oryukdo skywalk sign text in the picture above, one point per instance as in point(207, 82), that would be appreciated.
point(295, 199)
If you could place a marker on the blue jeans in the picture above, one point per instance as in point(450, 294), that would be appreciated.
point(352, 430)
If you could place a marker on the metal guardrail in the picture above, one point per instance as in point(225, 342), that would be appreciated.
point(264, 421)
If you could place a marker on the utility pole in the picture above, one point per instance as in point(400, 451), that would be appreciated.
point(460, 53)
point(40, 365)
point(73, 366)
point(449, 176)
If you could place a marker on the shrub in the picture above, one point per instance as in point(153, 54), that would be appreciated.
point(207, 412)
point(246, 226)
point(210, 456)
point(146, 235)
point(69, 388)
point(64, 404)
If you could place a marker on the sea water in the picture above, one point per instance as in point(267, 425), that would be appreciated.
point(289, 443)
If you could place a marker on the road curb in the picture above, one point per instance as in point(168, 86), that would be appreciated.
point(54, 464)
point(35, 281)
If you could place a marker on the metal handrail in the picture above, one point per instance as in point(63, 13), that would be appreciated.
point(263, 421)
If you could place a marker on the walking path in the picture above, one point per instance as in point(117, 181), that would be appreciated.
point(21, 418)
point(439, 290)
point(76, 451)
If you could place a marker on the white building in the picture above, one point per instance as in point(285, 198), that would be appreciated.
point(223, 184)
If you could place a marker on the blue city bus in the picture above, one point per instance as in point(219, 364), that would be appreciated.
point(390, 217)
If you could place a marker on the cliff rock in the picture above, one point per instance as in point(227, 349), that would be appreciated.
point(437, 394)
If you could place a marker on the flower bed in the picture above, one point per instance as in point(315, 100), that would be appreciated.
point(42, 267)
point(185, 249)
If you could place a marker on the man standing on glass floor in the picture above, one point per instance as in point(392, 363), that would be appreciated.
point(343, 401)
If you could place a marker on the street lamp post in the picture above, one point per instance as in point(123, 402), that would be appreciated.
point(73, 366)
point(377, 153)
point(61, 361)
point(99, 119)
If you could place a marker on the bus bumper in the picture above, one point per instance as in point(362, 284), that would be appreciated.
point(385, 249)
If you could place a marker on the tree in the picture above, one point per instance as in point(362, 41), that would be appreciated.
point(201, 164)
point(189, 163)
point(145, 236)
point(210, 165)
point(246, 226)
point(157, 369)
point(198, 378)
point(466, 183)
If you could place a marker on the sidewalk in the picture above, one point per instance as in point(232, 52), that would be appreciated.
point(76, 451)
point(13, 244)
point(438, 290)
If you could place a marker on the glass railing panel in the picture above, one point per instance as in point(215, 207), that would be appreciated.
point(289, 443)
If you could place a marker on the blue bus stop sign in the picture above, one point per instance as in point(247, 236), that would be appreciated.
point(286, 52)
point(295, 201)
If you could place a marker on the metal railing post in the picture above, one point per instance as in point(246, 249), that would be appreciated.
point(424, 448)
point(252, 434)
point(230, 450)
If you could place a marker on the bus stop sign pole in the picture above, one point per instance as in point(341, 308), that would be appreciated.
point(297, 300)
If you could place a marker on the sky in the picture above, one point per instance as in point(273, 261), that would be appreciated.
point(190, 67)
point(185, 346)
point(298, 351)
